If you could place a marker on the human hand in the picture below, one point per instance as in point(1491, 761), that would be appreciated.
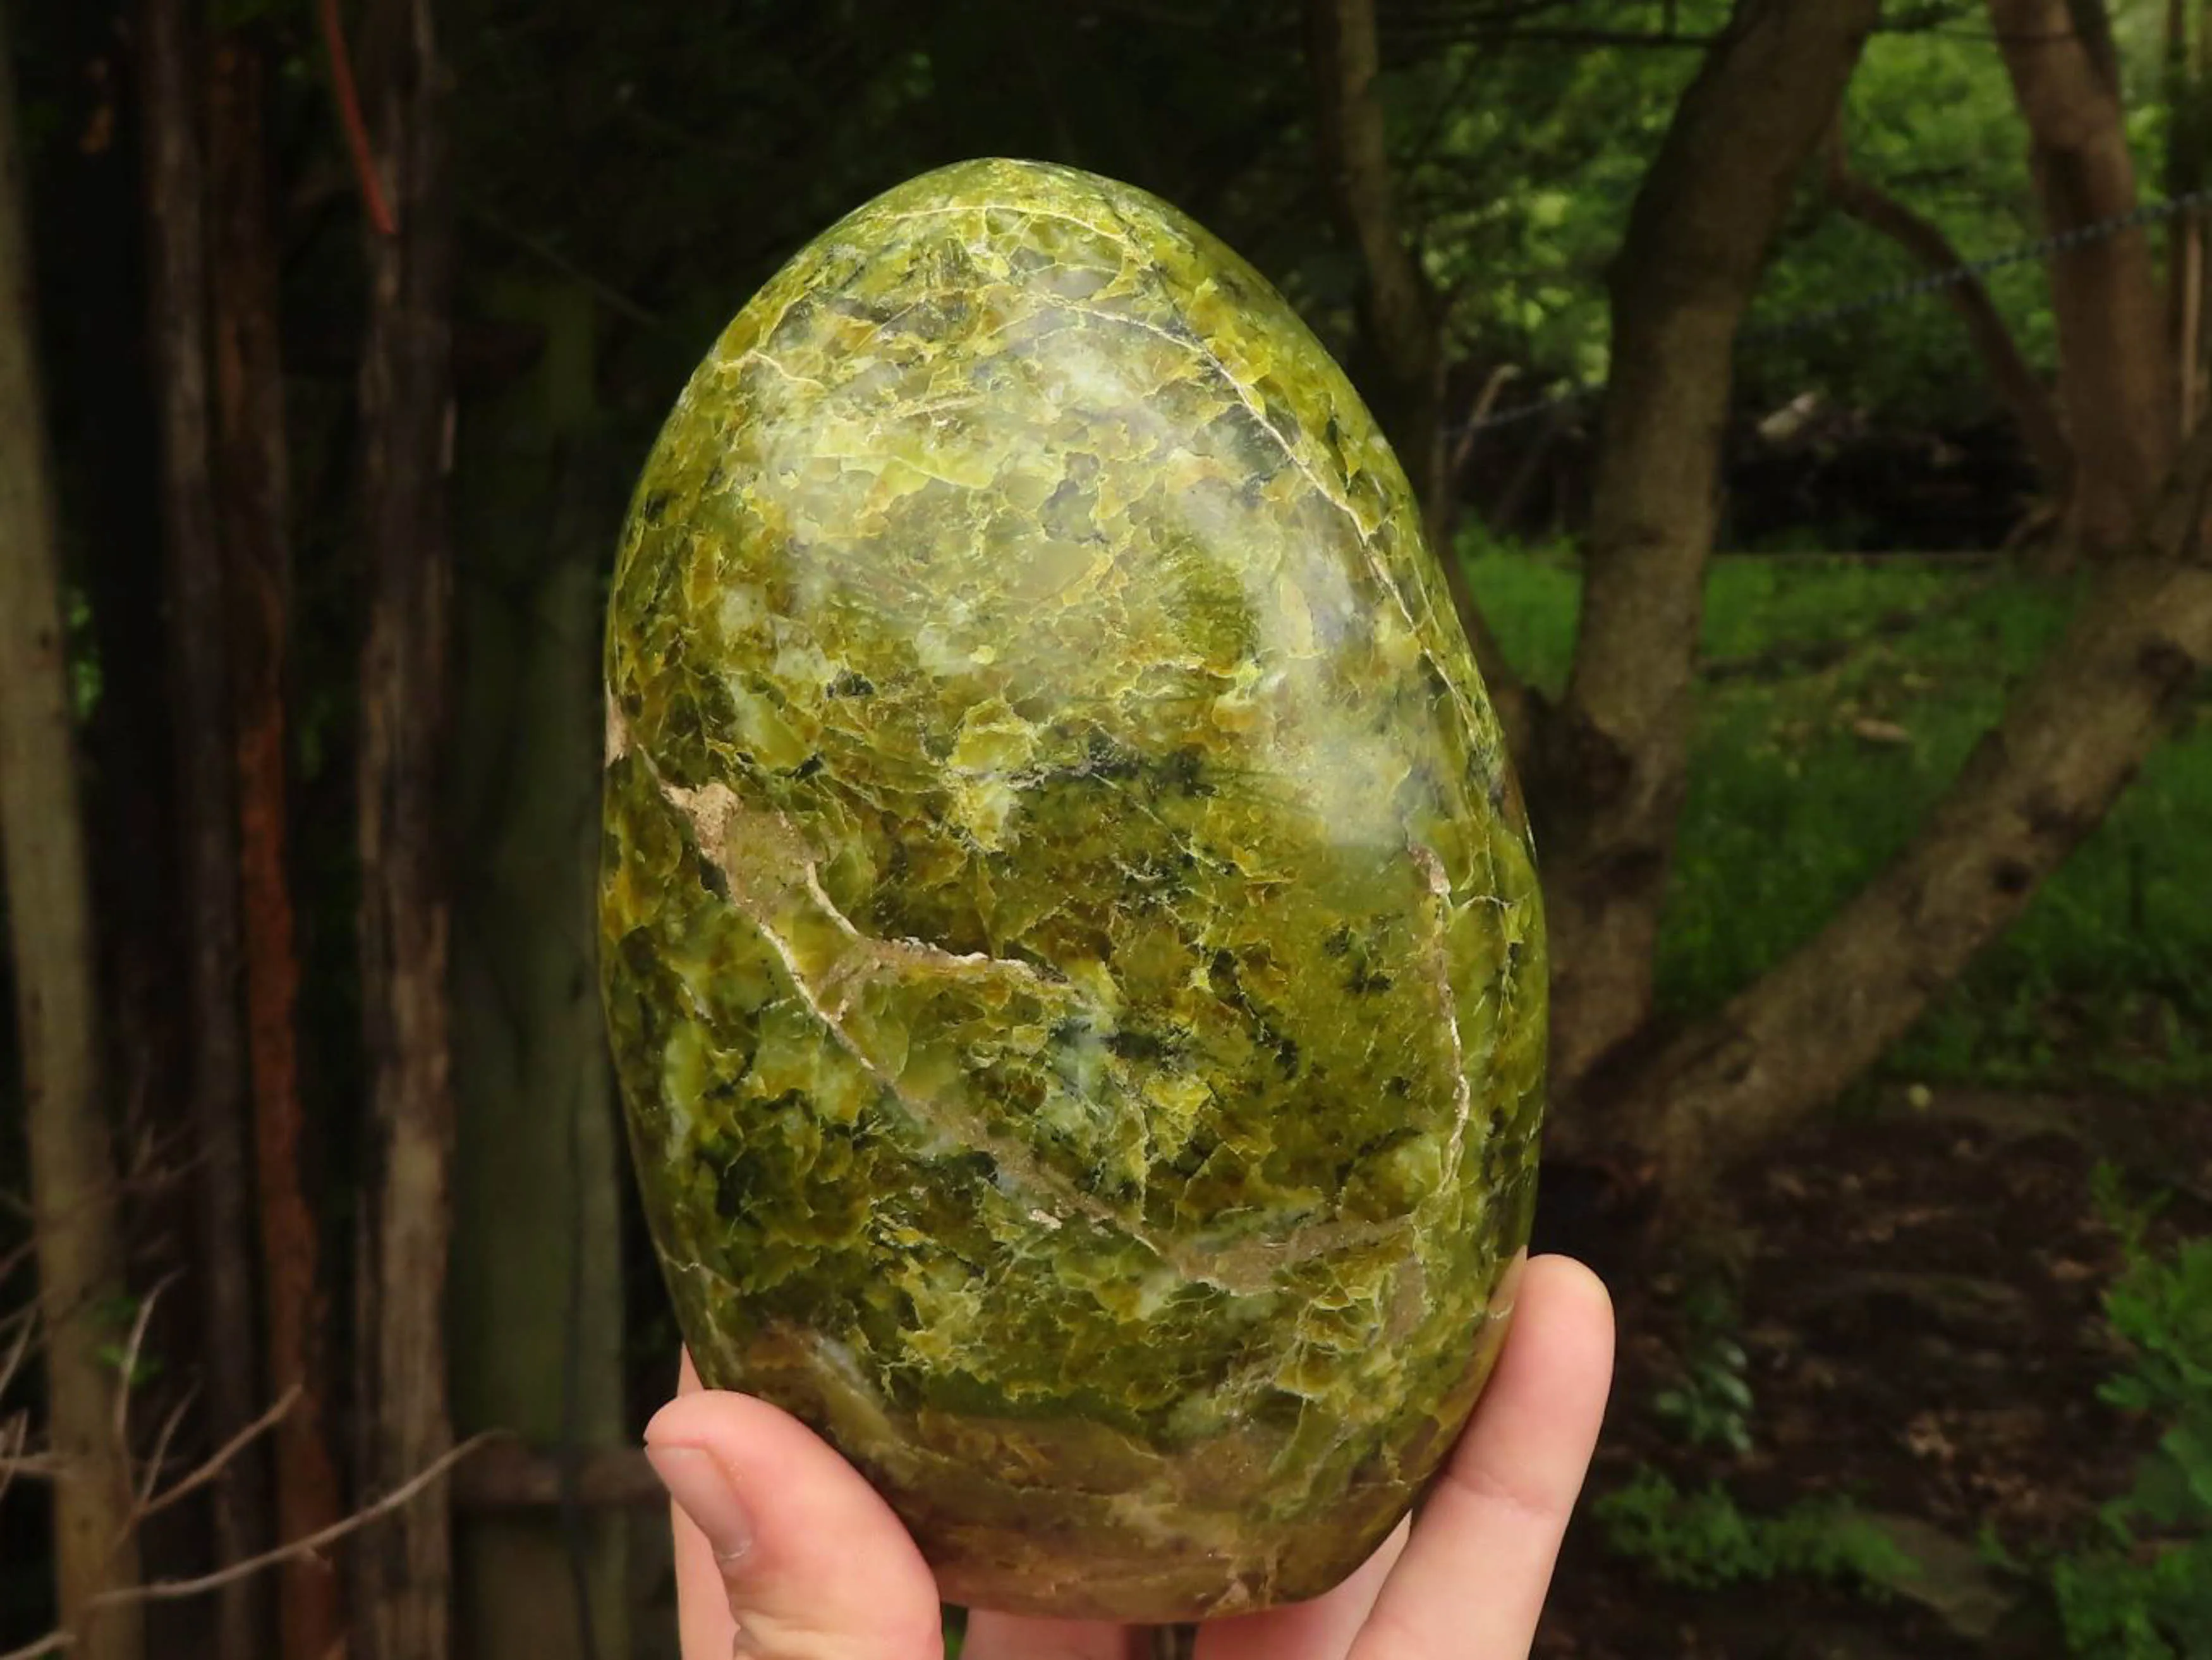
point(783, 1551)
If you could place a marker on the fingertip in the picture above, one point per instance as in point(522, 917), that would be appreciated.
point(777, 1528)
point(1562, 1270)
point(1572, 1294)
point(1559, 1348)
point(700, 1416)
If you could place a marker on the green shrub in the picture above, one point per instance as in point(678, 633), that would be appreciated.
point(1710, 1401)
point(2142, 1590)
point(1705, 1540)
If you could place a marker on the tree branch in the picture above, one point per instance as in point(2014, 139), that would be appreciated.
point(350, 118)
point(1614, 764)
point(166, 1590)
point(2115, 368)
point(216, 1461)
point(2032, 404)
point(2034, 787)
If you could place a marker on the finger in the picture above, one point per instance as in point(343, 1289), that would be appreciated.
point(1321, 1629)
point(1015, 1637)
point(782, 1550)
point(1472, 1581)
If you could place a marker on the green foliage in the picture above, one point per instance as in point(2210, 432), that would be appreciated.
point(1519, 165)
point(1705, 1540)
point(1711, 1400)
point(2144, 1590)
point(1842, 697)
point(118, 1318)
point(84, 656)
point(699, 147)
point(1931, 118)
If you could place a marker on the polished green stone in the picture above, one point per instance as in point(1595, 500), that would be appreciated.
point(1071, 941)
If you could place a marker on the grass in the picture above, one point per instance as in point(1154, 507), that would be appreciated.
point(1850, 692)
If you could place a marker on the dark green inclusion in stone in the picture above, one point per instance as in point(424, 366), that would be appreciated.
point(1071, 941)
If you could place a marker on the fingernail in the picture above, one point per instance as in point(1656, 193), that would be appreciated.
point(699, 1485)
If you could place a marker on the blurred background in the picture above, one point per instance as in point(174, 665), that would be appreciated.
point(1804, 394)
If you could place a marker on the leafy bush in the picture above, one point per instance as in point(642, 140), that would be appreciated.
point(2144, 1590)
point(1711, 1400)
point(1705, 1540)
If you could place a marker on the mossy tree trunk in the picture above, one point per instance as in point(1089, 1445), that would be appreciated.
point(197, 617)
point(253, 510)
point(42, 836)
point(404, 1586)
point(537, 1294)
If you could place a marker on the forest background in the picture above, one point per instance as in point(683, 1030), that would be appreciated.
point(1842, 585)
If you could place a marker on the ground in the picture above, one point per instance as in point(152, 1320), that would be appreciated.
point(1920, 1313)
point(1916, 1281)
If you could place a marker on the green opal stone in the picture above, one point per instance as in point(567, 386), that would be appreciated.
point(1071, 941)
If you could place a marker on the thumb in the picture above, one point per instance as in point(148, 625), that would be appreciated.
point(782, 1551)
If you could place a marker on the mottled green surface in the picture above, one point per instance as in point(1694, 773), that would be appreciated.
point(1071, 943)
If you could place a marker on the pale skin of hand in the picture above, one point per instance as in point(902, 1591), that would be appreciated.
point(783, 1551)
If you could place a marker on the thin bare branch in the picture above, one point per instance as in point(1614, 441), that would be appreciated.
point(160, 1456)
point(130, 1368)
point(14, 1436)
point(212, 1467)
point(168, 1590)
point(25, 1321)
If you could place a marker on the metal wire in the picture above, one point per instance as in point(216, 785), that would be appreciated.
point(1894, 294)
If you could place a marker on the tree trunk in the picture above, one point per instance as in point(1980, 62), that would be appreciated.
point(253, 472)
point(73, 1198)
point(538, 1302)
point(2186, 133)
point(1401, 311)
point(2014, 380)
point(198, 626)
point(406, 1568)
point(2115, 377)
point(1401, 315)
point(2193, 368)
point(1611, 770)
point(2039, 784)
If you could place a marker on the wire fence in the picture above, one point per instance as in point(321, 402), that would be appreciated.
point(1894, 294)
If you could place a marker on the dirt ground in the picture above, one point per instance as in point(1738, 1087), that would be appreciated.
point(1919, 1307)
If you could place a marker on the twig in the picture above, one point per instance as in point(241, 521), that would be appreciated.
point(25, 1324)
point(130, 1364)
point(14, 1435)
point(605, 292)
point(166, 1590)
point(356, 130)
point(213, 1467)
point(51, 1643)
point(143, 1498)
